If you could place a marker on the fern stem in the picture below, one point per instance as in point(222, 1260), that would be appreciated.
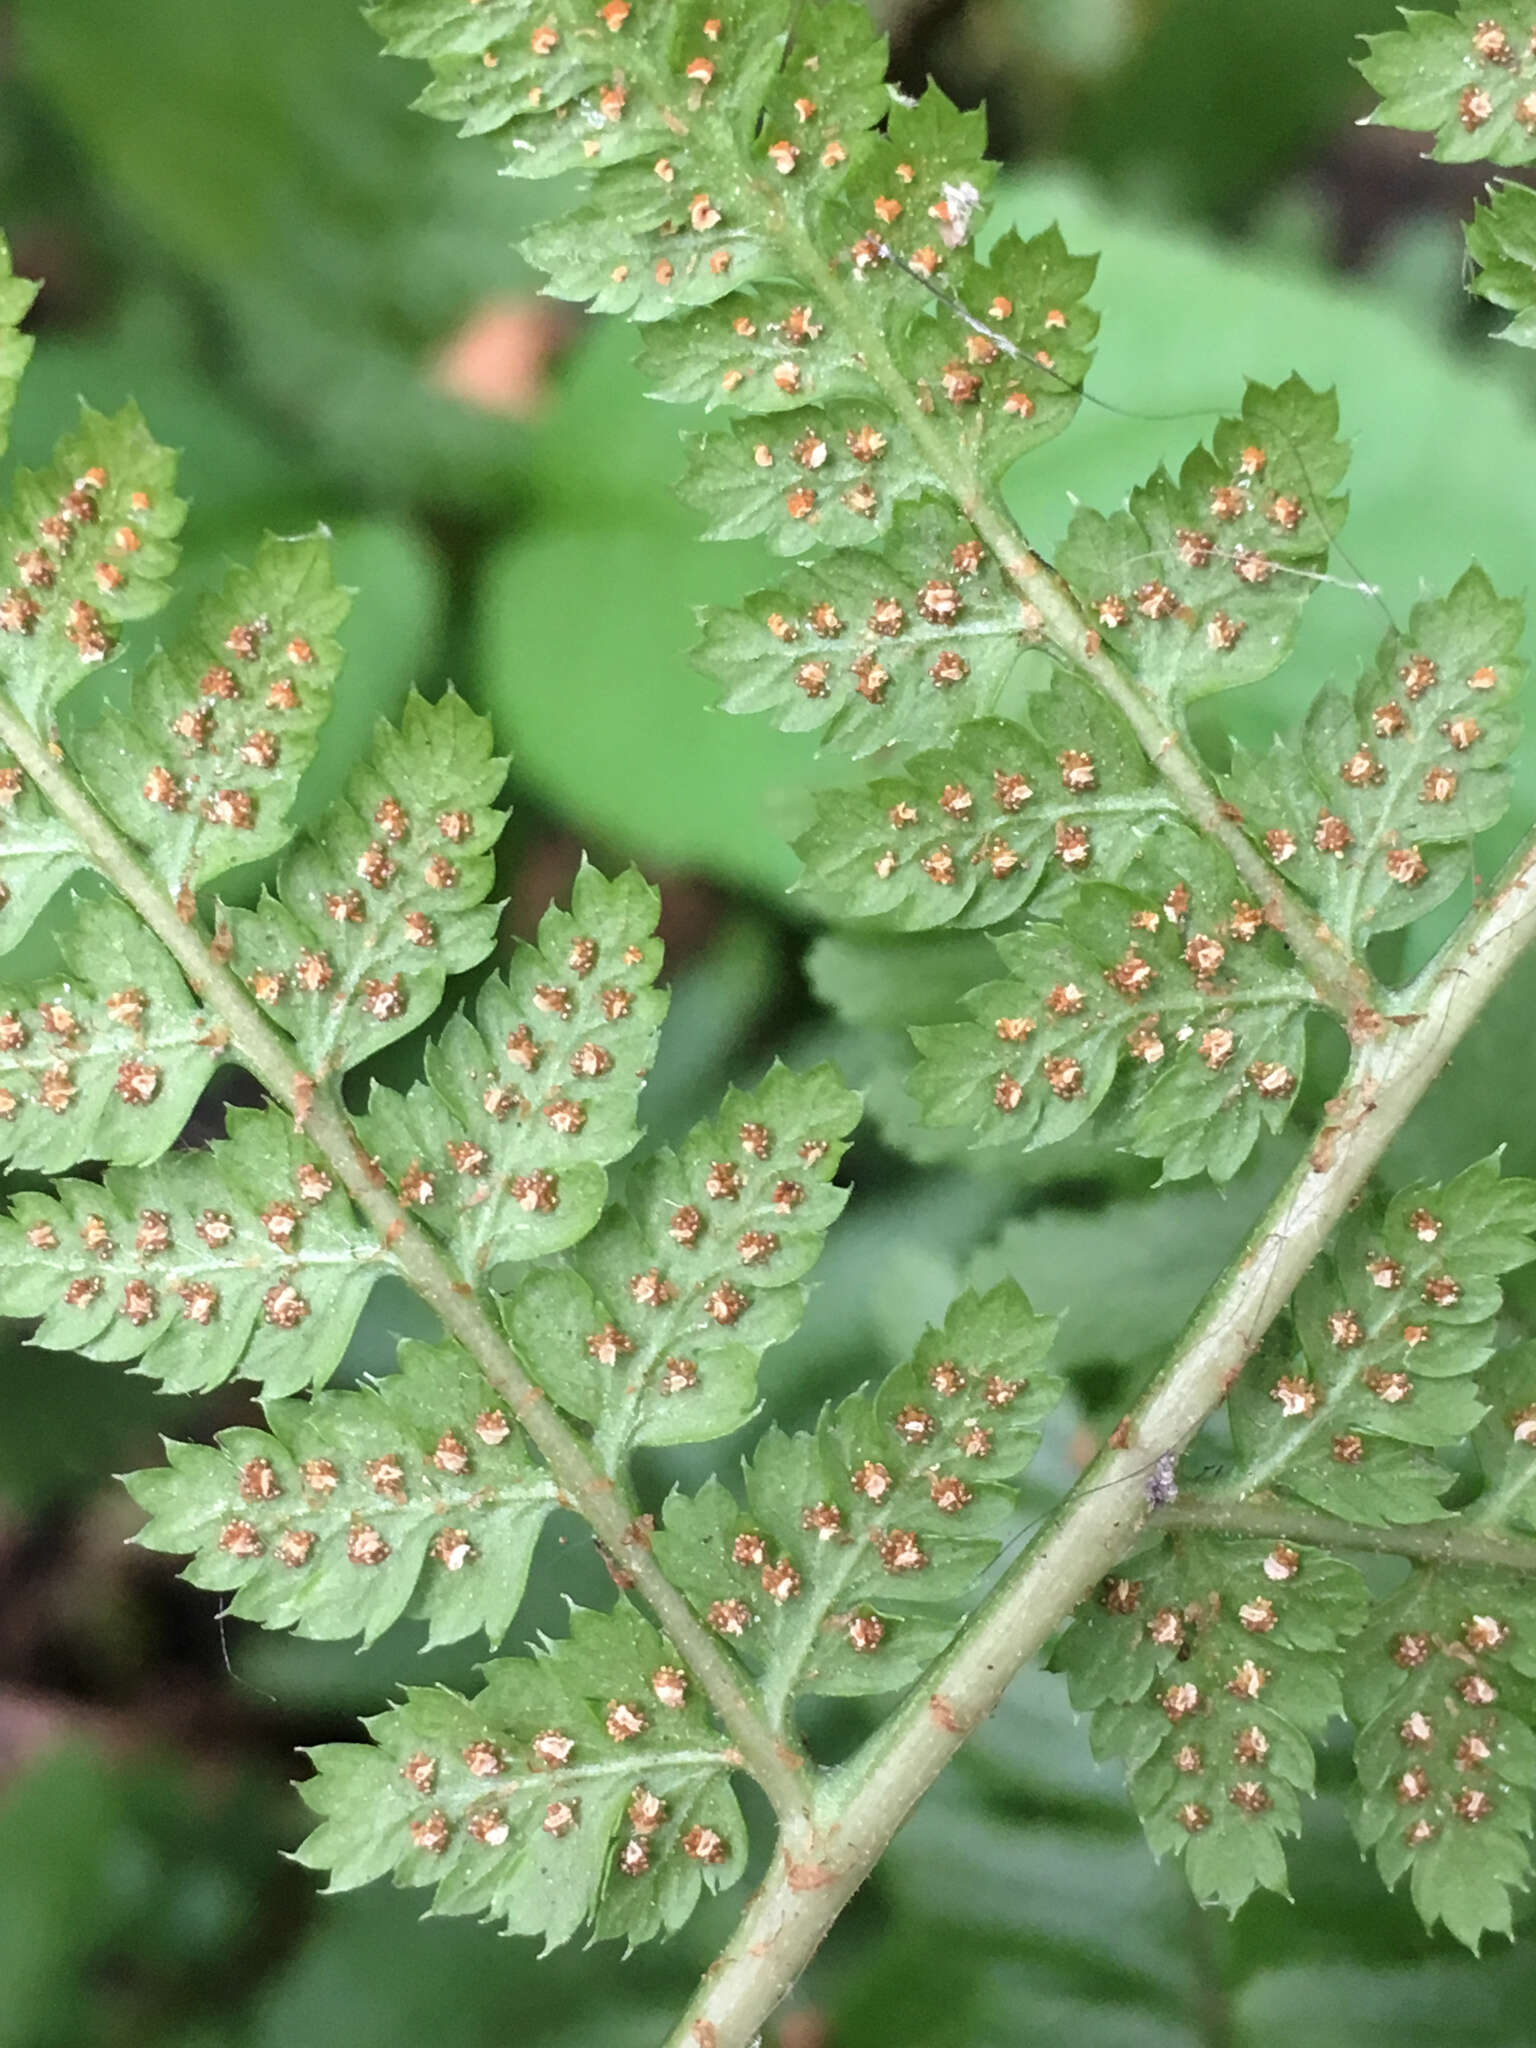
point(872, 1795)
point(1454, 1541)
point(318, 1110)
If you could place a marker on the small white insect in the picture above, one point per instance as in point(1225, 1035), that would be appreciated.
point(1162, 1486)
point(962, 201)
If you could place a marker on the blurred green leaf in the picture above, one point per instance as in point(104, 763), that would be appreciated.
point(119, 1879)
point(602, 722)
point(402, 235)
point(1164, 1249)
point(371, 1973)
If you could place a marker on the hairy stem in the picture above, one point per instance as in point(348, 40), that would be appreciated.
point(1455, 1541)
point(872, 1795)
point(319, 1112)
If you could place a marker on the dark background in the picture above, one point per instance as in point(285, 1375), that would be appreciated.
point(313, 292)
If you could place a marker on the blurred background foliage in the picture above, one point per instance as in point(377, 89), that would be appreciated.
point(314, 293)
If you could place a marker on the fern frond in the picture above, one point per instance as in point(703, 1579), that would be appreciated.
point(106, 1058)
point(872, 649)
point(1179, 992)
point(1009, 814)
point(91, 540)
point(1200, 583)
point(1211, 1665)
point(385, 897)
point(827, 282)
point(1501, 240)
point(1372, 817)
point(244, 1258)
point(652, 1330)
point(1442, 1688)
point(841, 1570)
point(1390, 1334)
point(38, 854)
point(584, 1784)
point(16, 296)
point(503, 1146)
point(202, 766)
point(415, 1496)
point(1211, 1661)
point(1463, 75)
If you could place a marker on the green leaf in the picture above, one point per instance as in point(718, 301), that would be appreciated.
point(1442, 1688)
point(1210, 1664)
point(762, 351)
point(1179, 993)
point(1463, 75)
point(16, 296)
point(1004, 353)
point(385, 897)
point(930, 158)
point(503, 1146)
point(1501, 240)
point(583, 1784)
point(1200, 584)
point(413, 1496)
point(1008, 814)
point(1372, 817)
point(564, 97)
point(867, 649)
point(241, 1258)
point(1507, 1440)
point(106, 1058)
point(652, 1330)
point(90, 540)
point(892, 1504)
point(203, 765)
point(38, 853)
point(1391, 1330)
point(799, 480)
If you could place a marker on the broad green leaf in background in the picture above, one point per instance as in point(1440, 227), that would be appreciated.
point(1165, 1248)
point(368, 1972)
point(345, 239)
